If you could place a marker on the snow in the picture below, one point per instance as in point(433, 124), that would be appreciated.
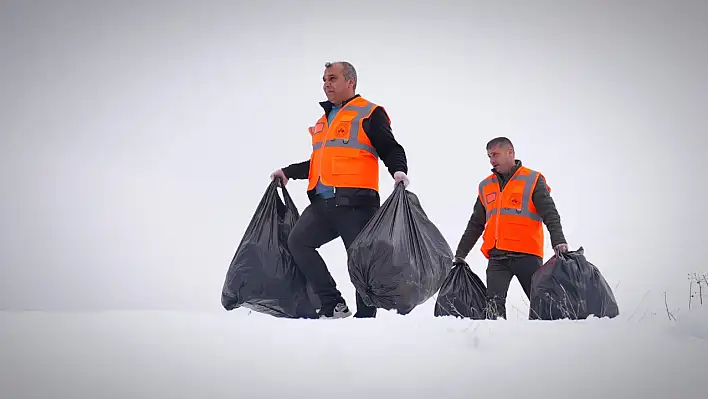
point(136, 140)
point(151, 354)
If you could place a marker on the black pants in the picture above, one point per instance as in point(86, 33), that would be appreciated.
point(500, 271)
point(320, 223)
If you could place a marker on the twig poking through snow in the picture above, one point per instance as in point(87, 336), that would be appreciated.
point(700, 290)
point(699, 280)
point(666, 303)
point(637, 309)
point(690, 293)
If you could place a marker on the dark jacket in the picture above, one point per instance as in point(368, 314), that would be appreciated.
point(545, 207)
point(389, 150)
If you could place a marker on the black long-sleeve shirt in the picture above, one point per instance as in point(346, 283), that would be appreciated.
point(545, 207)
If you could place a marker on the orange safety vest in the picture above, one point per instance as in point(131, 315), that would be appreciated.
point(342, 154)
point(513, 224)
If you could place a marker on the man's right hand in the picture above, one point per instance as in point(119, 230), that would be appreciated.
point(279, 173)
point(458, 261)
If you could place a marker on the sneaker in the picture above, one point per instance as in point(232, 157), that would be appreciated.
point(339, 311)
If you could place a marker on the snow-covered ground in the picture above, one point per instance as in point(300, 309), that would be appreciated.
point(214, 355)
point(136, 139)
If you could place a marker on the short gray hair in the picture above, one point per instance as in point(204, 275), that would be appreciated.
point(499, 141)
point(349, 70)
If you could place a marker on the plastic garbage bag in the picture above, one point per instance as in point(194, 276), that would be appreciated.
point(263, 276)
point(399, 259)
point(463, 294)
point(570, 287)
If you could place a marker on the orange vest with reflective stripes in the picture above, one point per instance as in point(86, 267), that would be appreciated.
point(513, 223)
point(342, 155)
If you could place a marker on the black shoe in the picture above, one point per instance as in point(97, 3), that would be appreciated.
point(362, 309)
point(365, 313)
point(338, 311)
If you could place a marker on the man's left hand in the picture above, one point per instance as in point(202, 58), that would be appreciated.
point(401, 177)
point(561, 249)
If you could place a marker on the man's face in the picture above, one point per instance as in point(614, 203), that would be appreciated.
point(336, 88)
point(502, 158)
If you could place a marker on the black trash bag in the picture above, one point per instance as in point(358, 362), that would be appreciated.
point(263, 276)
point(463, 294)
point(400, 259)
point(570, 287)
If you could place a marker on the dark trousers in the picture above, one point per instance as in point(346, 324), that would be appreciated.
point(320, 223)
point(500, 271)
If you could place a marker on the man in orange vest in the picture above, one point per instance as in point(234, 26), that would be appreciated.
point(513, 203)
point(343, 181)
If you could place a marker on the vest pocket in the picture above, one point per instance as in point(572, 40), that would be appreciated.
point(345, 165)
point(517, 230)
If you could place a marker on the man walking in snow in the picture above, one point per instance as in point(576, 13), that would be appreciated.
point(343, 181)
point(513, 204)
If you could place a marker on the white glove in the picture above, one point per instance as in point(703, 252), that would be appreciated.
point(281, 174)
point(401, 177)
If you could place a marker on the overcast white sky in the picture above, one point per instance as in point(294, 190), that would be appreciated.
point(138, 137)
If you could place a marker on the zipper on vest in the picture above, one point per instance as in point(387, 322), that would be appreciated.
point(500, 204)
point(499, 209)
point(322, 151)
point(324, 143)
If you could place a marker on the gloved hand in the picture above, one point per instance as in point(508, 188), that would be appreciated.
point(560, 249)
point(279, 173)
point(401, 177)
point(458, 261)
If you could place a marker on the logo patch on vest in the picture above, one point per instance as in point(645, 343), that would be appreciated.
point(491, 197)
point(342, 130)
point(515, 200)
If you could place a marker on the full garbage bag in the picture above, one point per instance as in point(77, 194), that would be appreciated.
point(263, 276)
point(399, 259)
point(568, 286)
point(463, 294)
